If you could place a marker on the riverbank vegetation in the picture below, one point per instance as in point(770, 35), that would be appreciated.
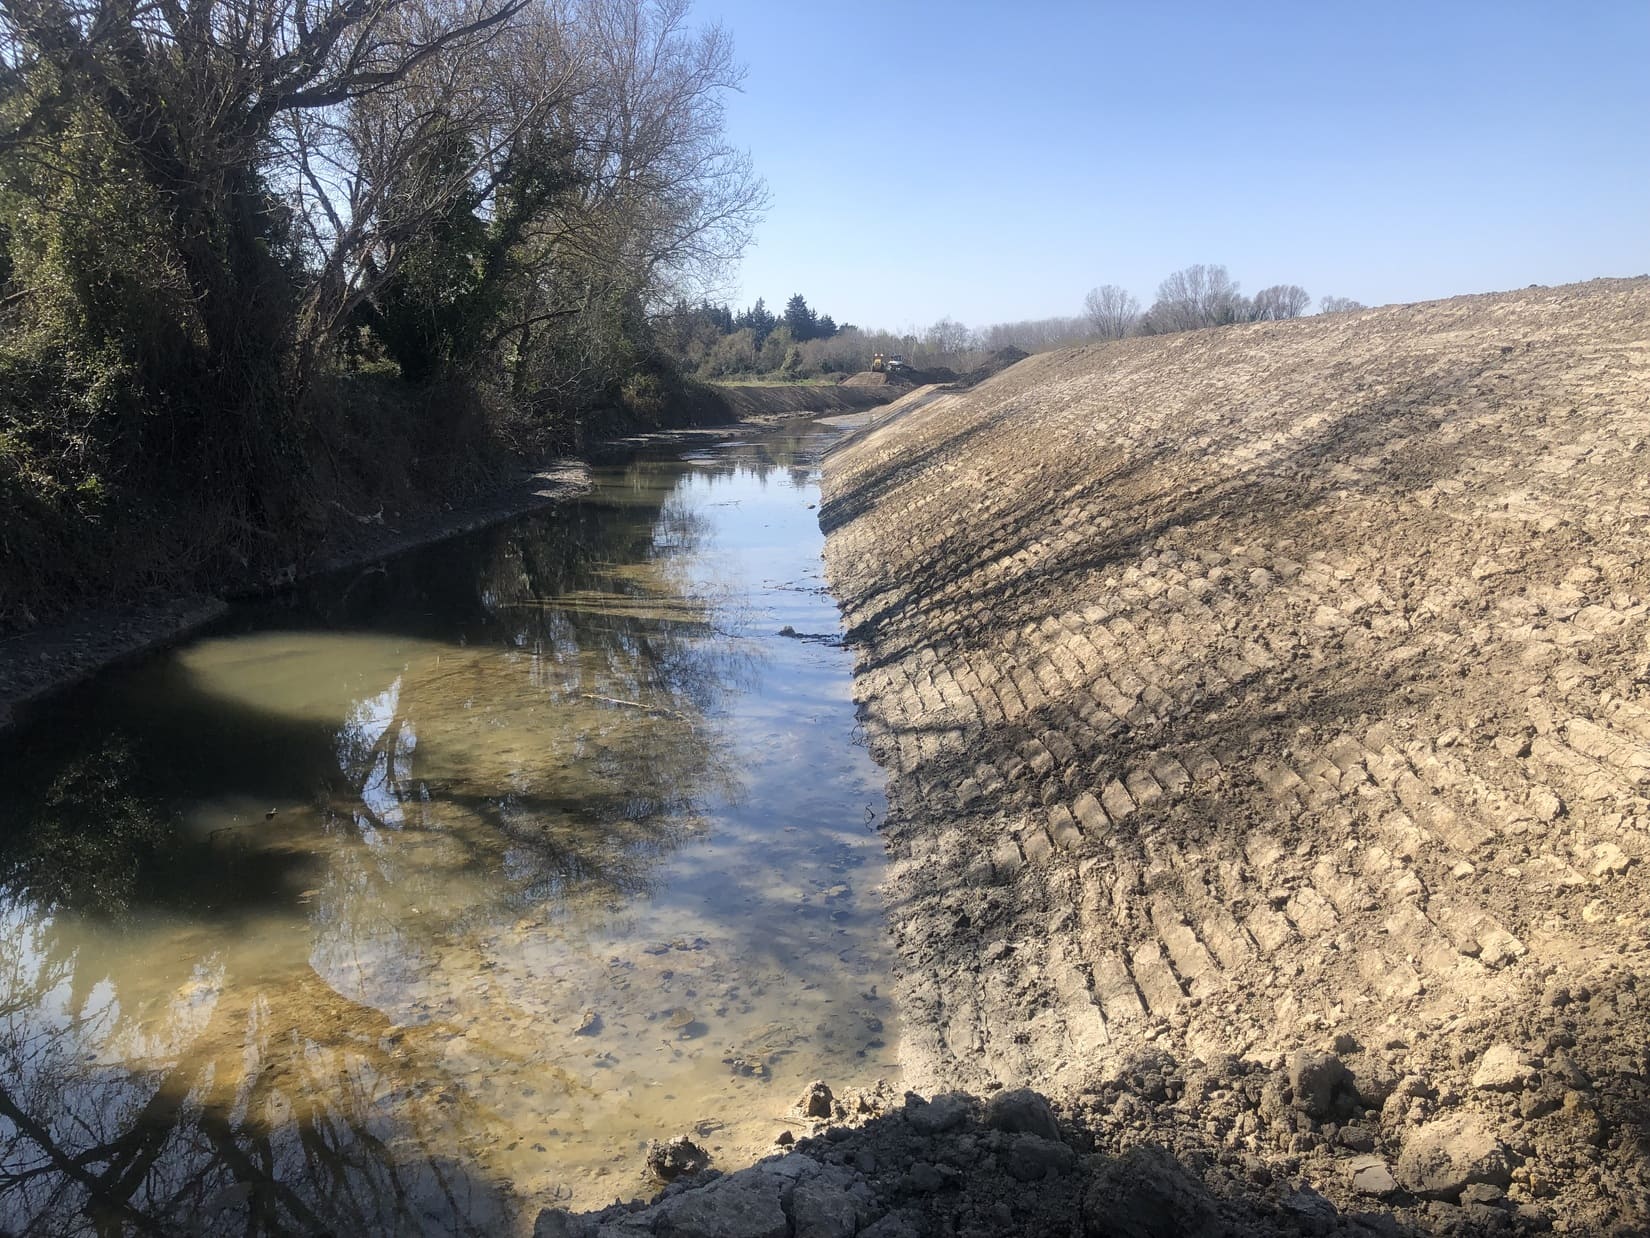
point(267, 264)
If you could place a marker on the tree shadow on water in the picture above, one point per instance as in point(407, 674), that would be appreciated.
point(216, 866)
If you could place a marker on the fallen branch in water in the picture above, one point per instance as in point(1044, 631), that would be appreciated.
point(652, 709)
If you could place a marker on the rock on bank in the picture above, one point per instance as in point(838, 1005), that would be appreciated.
point(1278, 689)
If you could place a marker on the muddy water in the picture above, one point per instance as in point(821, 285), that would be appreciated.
point(423, 899)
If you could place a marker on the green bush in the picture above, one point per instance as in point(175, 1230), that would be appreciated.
point(643, 395)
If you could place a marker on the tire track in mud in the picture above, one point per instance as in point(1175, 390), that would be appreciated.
point(1256, 688)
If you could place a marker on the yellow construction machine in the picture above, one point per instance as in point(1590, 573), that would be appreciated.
point(879, 364)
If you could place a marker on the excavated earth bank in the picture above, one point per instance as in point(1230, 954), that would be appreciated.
point(1267, 717)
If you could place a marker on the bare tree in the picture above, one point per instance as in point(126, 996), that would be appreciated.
point(473, 130)
point(667, 200)
point(661, 204)
point(949, 338)
point(1339, 305)
point(1039, 334)
point(192, 92)
point(1112, 311)
point(1196, 296)
point(1278, 302)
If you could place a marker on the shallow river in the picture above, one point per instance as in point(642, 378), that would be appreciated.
point(423, 898)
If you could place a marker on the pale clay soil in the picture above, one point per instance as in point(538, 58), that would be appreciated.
point(1266, 713)
point(1275, 688)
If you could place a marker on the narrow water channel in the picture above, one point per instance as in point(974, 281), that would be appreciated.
point(421, 899)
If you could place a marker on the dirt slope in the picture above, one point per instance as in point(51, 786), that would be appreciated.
point(1275, 688)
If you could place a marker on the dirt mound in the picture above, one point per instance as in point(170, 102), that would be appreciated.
point(785, 399)
point(996, 363)
point(1284, 688)
point(957, 1164)
point(904, 378)
point(934, 374)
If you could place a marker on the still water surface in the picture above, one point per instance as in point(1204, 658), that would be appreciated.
point(423, 898)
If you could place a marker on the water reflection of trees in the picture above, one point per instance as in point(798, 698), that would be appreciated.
point(548, 752)
point(234, 1106)
point(795, 454)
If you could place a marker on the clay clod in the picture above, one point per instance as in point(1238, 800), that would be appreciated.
point(1322, 1085)
point(1444, 1157)
point(1022, 1110)
point(815, 1101)
point(675, 1158)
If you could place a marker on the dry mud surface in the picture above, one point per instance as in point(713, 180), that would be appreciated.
point(1267, 715)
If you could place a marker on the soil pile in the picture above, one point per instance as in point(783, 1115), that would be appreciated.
point(903, 378)
point(959, 1164)
point(996, 363)
point(790, 399)
point(1267, 713)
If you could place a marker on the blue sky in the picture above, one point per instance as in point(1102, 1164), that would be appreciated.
point(994, 162)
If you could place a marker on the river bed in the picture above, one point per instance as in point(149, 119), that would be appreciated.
point(422, 898)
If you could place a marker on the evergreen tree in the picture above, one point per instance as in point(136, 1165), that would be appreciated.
point(759, 319)
point(800, 319)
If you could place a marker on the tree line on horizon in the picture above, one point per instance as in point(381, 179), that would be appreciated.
point(710, 340)
point(713, 342)
point(1198, 296)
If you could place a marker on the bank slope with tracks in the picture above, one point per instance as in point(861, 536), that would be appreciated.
point(1281, 687)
